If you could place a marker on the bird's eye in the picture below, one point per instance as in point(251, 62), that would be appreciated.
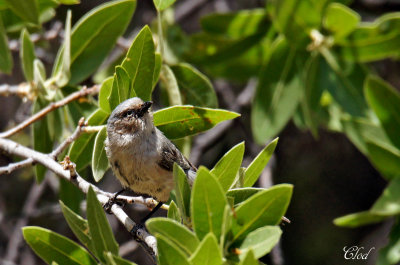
point(129, 113)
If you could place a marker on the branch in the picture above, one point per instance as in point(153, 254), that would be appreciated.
point(51, 107)
point(69, 173)
point(14, 166)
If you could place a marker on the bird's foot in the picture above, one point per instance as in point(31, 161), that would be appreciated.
point(107, 206)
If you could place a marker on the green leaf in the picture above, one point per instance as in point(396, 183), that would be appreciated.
point(358, 219)
point(249, 259)
point(27, 55)
point(81, 150)
point(254, 170)
point(163, 4)
point(94, 35)
point(180, 121)
point(177, 233)
point(41, 137)
point(169, 254)
point(120, 87)
point(278, 92)
point(389, 202)
point(25, 9)
point(139, 63)
point(385, 158)
point(63, 73)
point(340, 19)
point(104, 94)
point(6, 61)
point(195, 87)
point(264, 208)
point(71, 194)
point(157, 69)
point(182, 191)
point(241, 194)
point(112, 259)
point(99, 158)
point(235, 25)
point(295, 18)
point(99, 228)
point(208, 252)
point(261, 241)
point(385, 102)
point(228, 166)
point(168, 81)
point(173, 212)
point(79, 227)
point(208, 204)
point(51, 246)
point(372, 41)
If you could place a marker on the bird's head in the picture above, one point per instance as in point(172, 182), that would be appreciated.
point(130, 117)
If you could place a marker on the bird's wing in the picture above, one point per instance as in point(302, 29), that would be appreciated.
point(171, 154)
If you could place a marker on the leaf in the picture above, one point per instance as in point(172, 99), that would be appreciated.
point(385, 102)
point(249, 259)
point(195, 87)
point(180, 121)
point(6, 61)
point(385, 158)
point(79, 227)
point(115, 260)
point(139, 63)
point(208, 252)
point(120, 87)
point(27, 55)
point(372, 41)
point(228, 166)
point(358, 219)
point(105, 91)
point(264, 208)
point(168, 253)
point(63, 74)
point(94, 35)
point(168, 81)
point(163, 4)
point(173, 212)
point(241, 194)
point(182, 191)
point(278, 92)
point(157, 69)
point(254, 170)
point(99, 228)
point(207, 204)
point(71, 194)
point(41, 138)
point(25, 9)
point(340, 19)
point(81, 150)
point(261, 241)
point(239, 24)
point(389, 202)
point(178, 234)
point(99, 158)
point(51, 246)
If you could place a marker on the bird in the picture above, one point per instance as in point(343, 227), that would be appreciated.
point(140, 155)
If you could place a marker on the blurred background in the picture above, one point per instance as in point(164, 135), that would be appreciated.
point(331, 177)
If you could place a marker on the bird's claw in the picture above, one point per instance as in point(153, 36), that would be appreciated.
point(113, 200)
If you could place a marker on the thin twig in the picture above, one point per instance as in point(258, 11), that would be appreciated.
point(146, 240)
point(14, 166)
point(51, 107)
point(21, 90)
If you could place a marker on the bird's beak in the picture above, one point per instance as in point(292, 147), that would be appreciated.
point(146, 105)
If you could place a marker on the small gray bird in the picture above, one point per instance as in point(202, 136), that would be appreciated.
point(141, 157)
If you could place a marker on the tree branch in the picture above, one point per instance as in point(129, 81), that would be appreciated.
point(68, 172)
point(51, 107)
